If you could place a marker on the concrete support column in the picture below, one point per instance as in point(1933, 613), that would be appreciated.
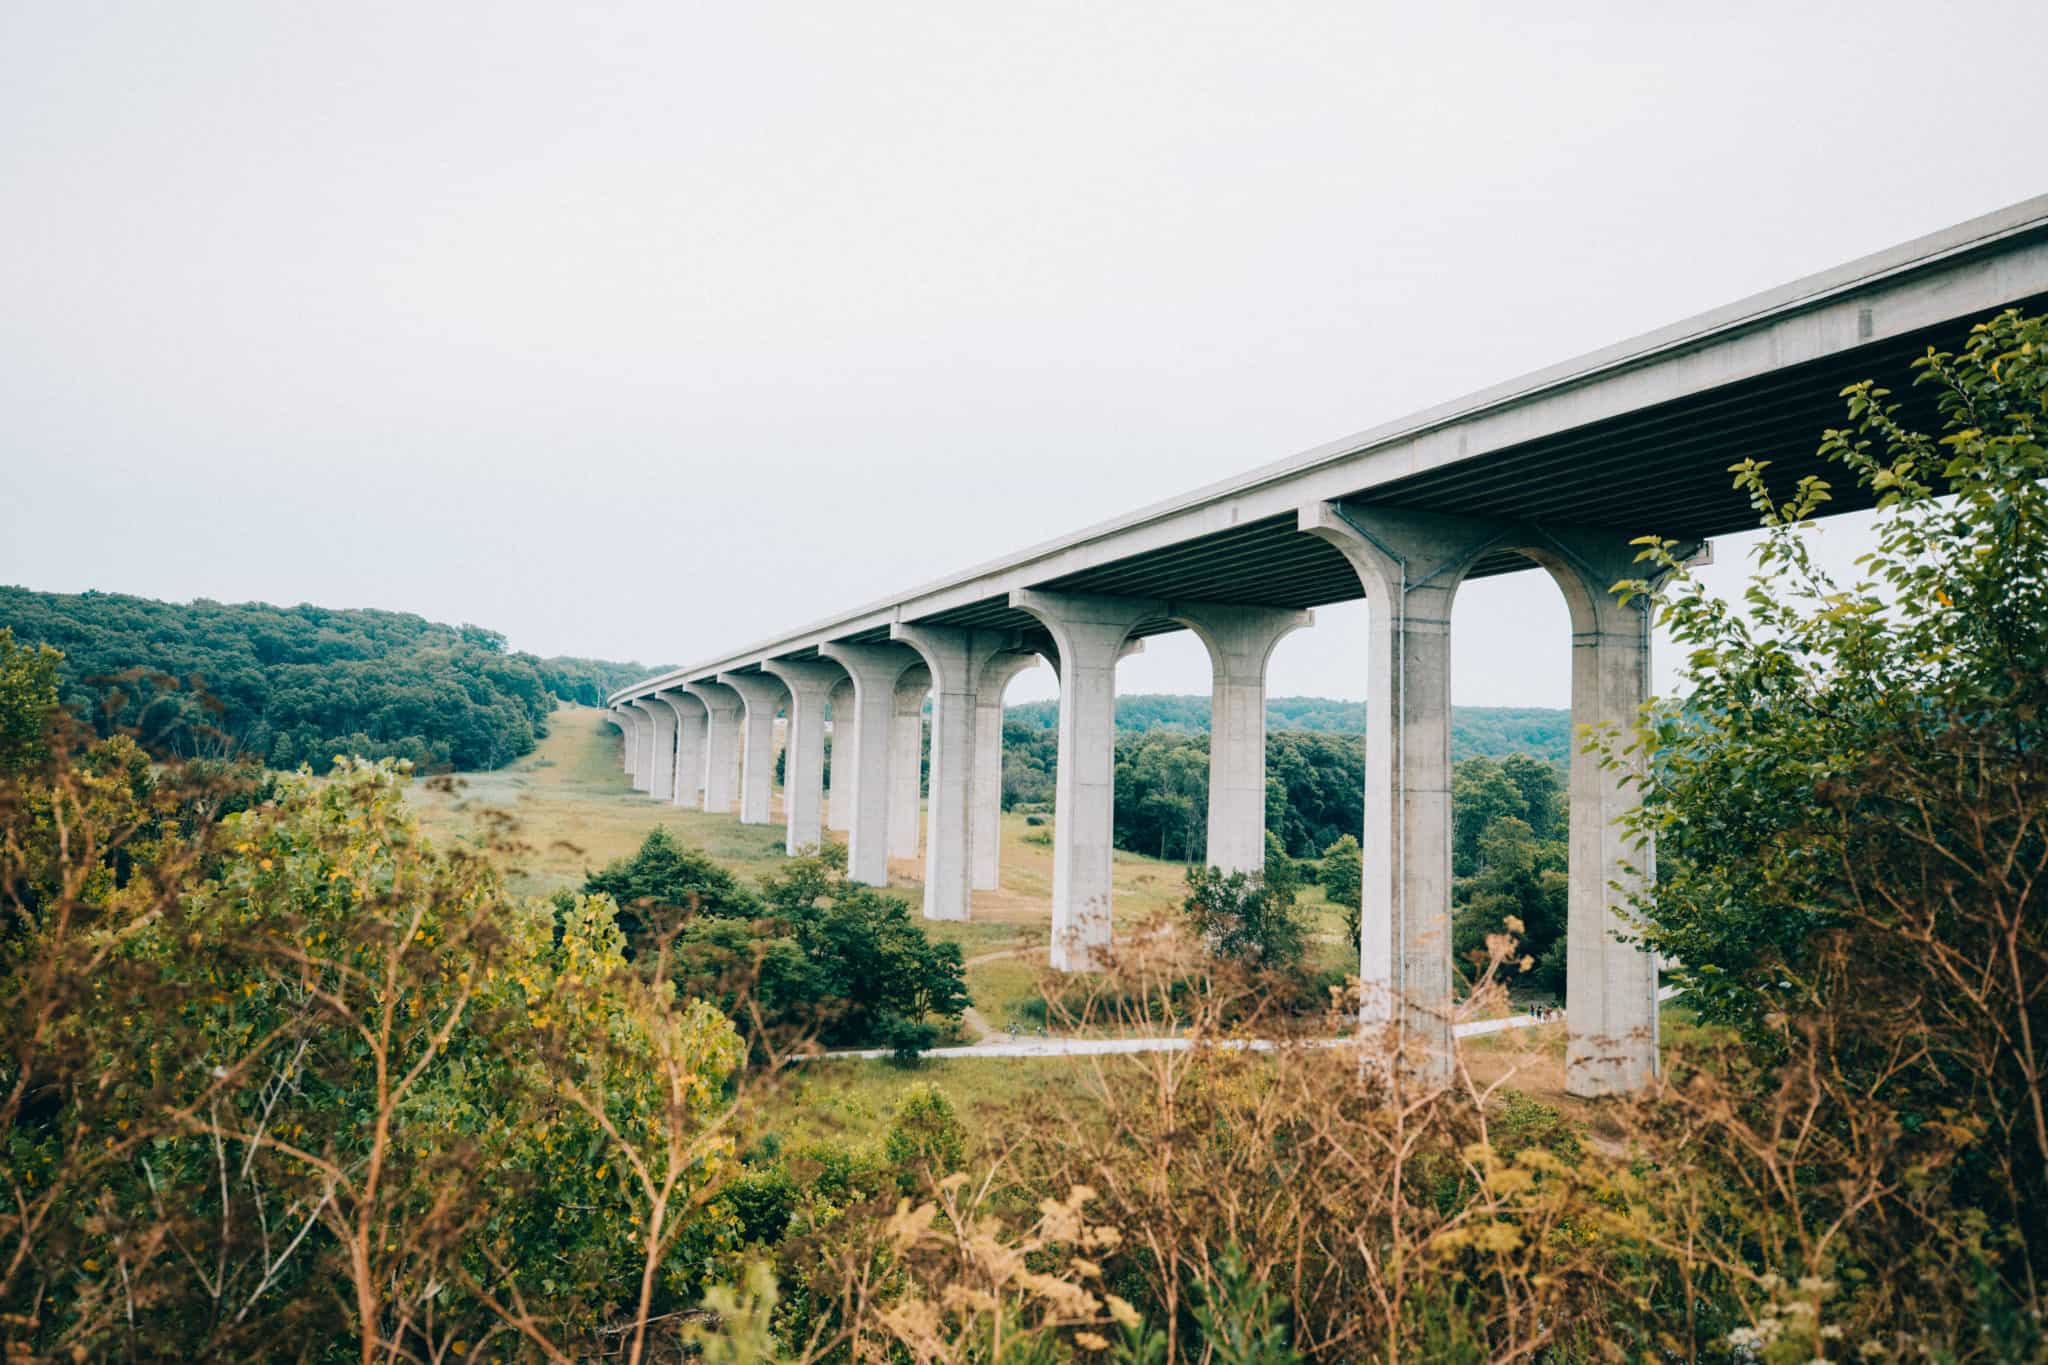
point(627, 719)
point(875, 670)
point(906, 761)
point(1240, 640)
point(1089, 632)
point(721, 743)
point(845, 725)
point(688, 765)
point(1610, 985)
point(661, 769)
point(643, 744)
point(956, 660)
point(762, 696)
point(635, 723)
point(1411, 565)
point(803, 765)
point(986, 841)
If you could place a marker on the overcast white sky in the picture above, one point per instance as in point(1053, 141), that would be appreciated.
point(642, 330)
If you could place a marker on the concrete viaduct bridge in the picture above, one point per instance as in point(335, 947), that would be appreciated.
point(1557, 470)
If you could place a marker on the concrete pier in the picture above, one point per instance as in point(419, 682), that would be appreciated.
point(1240, 641)
point(763, 696)
point(1610, 986)
point(803, 764)
point(661, 770)
point(845, 729)
point(906, 761)
point(955, 662)
point(987, 842)
point(875, 670)
point(627, 717)
point(689, 761)
point(1089, 630)
point(721, 743)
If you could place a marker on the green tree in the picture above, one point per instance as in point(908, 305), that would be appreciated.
point(926, 1141)
point(1249, 917)
point(1520, 888)
point(295, 1081)
point(1343, 882)
point(663, 882)
point(877, 976)
point(299, 685)
point(28, 698)
point(1847, 809)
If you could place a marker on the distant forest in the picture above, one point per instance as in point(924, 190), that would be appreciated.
point(1315, 764)
point(1476, 731)
point(292, 685)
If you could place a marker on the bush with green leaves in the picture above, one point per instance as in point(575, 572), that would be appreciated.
point(1847, 810)
point(1342, 877)
point(282, 1075)
point(663, 883)
point(1249, 917)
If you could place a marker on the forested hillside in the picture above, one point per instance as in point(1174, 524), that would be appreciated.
point(1476, 731)
point(291, 685)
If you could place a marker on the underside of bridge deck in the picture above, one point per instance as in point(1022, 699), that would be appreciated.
point(1661, 470)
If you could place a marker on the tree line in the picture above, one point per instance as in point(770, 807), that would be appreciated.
point(293, 685)
point(1476, 731)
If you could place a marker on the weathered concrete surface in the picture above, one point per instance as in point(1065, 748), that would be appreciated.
point(1610, 986)
point(1410, 565)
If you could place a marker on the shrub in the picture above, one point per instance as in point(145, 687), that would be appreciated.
point(926, 1141)
point(663, 883)
point(1248, 917)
